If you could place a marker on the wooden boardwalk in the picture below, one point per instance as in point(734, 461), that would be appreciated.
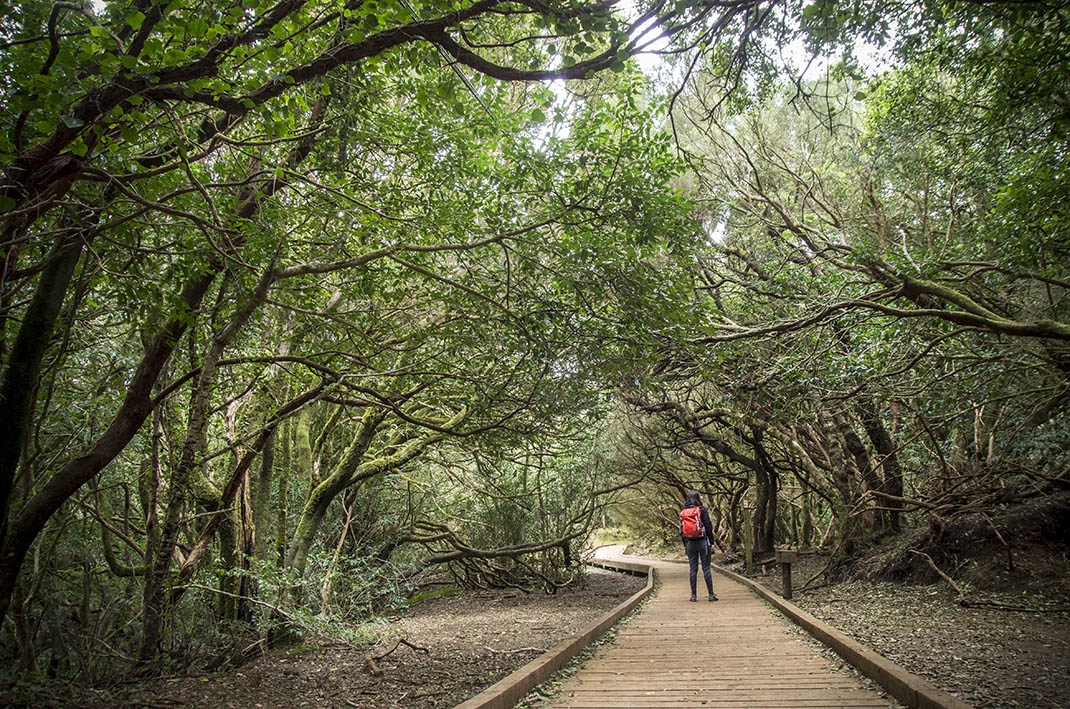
point(736, 652)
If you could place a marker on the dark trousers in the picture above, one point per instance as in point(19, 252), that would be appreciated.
point(699, 549)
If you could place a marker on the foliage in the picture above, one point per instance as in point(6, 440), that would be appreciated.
point(303, 304)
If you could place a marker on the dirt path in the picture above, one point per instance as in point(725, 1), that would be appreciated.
point(474, 639)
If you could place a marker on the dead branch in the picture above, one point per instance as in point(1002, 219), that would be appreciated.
point(904, 500)
point(1004, 607)
point(513, 652)
point(273, 609)
point(945, 577)
point(962, 600)
point(818, 574)
point(372, 667)
point(371, 660)
point(1010, 557)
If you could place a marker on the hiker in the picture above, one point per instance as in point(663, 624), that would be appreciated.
point(697, 533)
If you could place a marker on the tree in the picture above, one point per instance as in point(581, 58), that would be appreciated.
point(196, 122)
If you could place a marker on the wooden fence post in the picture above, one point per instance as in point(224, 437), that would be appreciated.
point(785, 557)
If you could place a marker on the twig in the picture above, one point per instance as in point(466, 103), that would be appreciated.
point(1004, 607)
point(969, 603)
point(824, 569)
point(274, 609)
point(511, 652)
point(401, 641)
point(945, 577)
point(435, 693)
point(1010, 558)
point(370, 660)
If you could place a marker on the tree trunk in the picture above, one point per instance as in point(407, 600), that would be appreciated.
point(321, 496)
point(227, 603)
point(863, 463)
point(179, 486)
point(302, 450)
point(32, 517)
point(261, 499)
point(282, 532)
point(884, 445)
point(842, 481)
point(765, 512)
point(23, 370)
point(200, 397)
point(246, 583)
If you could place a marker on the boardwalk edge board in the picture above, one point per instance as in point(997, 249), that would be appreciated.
point(508, 691)
point(913, 691)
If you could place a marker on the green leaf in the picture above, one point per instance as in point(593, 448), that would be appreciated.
point(538, 116)
point(135, 21)
point(72, 122)
point(6, 203)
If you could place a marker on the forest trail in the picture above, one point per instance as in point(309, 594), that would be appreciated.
point(736, 652)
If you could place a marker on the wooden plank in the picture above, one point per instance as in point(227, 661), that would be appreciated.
point(732, 654)
point(721, 685)
point(742, 701)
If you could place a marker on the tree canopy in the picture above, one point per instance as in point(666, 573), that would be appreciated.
point(305, 303)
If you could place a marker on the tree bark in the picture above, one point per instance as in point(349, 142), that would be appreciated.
point(766, 505)
point(32, 517)
point(884, 445)
point(156, 580)
point(262, 497)
point(23, 370)
point(862, 461)
point(841, 478)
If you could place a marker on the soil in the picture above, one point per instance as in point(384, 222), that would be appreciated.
point(469, 641)
point(1011, 649)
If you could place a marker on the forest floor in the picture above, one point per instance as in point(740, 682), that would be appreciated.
point(472, 640)
point(986, 655)
point(1010, 650)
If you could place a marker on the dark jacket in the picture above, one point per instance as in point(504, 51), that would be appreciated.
point(706, 525)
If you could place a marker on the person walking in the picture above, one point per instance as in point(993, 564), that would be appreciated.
point(697, 533)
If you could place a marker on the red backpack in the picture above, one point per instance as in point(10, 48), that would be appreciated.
point(691, 523)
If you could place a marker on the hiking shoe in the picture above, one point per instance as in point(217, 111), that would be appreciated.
point(713, 597)
point(693, 599)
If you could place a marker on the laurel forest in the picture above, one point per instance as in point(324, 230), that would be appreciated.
point(309, 306)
